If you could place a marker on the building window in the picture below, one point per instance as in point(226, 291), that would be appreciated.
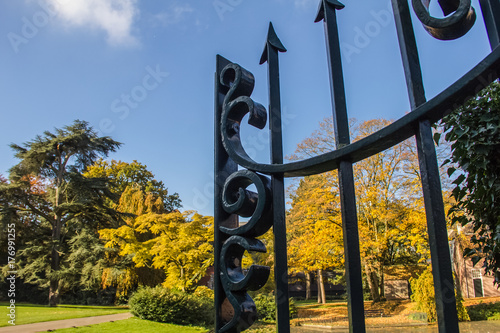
point(477, 283)
point(476, 273)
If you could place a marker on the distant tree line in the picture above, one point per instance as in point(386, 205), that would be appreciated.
point(87, 226)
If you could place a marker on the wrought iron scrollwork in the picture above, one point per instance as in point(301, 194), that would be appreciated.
point(237, 104)
point(237, 199)
point(454, 26)
point(236, 283)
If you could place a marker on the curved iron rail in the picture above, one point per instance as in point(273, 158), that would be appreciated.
point(468, 85)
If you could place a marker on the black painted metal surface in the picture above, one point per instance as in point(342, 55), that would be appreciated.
point(270, 55)
point(235, 310)
point(327, 12)
point(433, 199)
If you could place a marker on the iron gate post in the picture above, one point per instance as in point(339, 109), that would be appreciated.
point(355, 303)
point(433, 199)
point(223, 167)
point(492, 22)
point(270, 55)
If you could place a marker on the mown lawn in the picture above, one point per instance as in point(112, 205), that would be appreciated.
point(134, 325)
point(31, 313)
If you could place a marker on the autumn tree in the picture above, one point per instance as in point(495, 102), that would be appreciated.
point(184, 250)
point(177, 243)
point(122, 175)
point(155, 243)
point(390, 209)
point(315, 229)
point(140, 193)
point(61, 198)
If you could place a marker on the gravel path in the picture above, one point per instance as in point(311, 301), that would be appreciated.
point(67, 323)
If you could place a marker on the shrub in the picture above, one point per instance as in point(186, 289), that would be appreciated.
point(484, 311)
point(423, 295)
point(168, 306)
point(204, 292)
point(266, 307)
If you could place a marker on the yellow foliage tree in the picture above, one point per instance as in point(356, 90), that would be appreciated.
point(128, 260)
point(391, 216)
point(177, 244)
point(315, 228)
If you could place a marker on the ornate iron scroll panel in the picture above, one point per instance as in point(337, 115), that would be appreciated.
point(233, 102)
point(223, 167)
point(235, 309)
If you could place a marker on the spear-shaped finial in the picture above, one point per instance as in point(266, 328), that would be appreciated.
point(270, 55)
point(321, 10)
point(273, 41)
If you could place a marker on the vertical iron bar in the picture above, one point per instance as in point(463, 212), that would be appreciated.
point(223, 167)
point(273, 45)
point(430, 177)
point(491, 15)
point(355, 300)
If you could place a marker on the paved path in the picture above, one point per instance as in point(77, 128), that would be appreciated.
point(67, 323)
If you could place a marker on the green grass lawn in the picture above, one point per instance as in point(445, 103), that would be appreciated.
point(134, 325)
point(145, 326)
point(31, 313)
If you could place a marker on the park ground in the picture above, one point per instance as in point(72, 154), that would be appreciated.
point(332, 314)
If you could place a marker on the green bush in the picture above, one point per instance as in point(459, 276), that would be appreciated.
point(423, 295)
point(266, 307)
point(168, 306)
point(204, 292)
point(484, 311)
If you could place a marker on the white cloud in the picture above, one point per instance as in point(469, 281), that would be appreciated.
point(174, 15)
point(115, 17)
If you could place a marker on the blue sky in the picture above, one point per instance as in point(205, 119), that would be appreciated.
point(143, 72)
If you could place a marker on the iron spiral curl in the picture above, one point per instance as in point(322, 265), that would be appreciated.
point(236, 283)
point(237, 104)
point(451, 27)
point(236, 199)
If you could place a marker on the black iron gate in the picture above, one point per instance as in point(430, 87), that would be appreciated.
point(235, 171)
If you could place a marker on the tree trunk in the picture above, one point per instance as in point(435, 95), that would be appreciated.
point(322, 286)
point(54, 292)
point(308, 285)
point(55, 262)
point(55, 256)
point(182, 278)
point(319, 287)
point(371, 277)
point(381, 279)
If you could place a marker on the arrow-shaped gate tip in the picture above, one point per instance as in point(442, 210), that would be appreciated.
point(274, 41)
point(321, 10)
